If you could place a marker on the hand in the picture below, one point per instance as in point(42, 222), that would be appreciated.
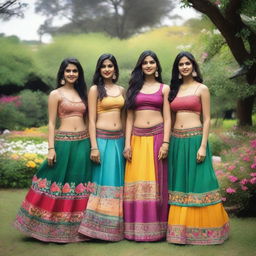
point(95, 156)
point(127, 153)
point(51, 157)
point(201, 153)
point(163, 151)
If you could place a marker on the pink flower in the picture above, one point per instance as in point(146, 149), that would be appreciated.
point(54, 187)
point(90, 187)
point(66, 188)
point(242, 168)
point(253, 180)
point(80, 188)
point(232, 178)
point(223, 199)
point(230, 190)
point(244, 181)
point(231, 167)
point(253, 143)
point(253, 166)
point(218, 2)
point(219, 172)
point(35, 179)
point(244, 188)
point(246, 158)
point(42, 183)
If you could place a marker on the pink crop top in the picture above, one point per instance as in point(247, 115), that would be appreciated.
point(68, 108)
point(152, 101)
point(187, 103)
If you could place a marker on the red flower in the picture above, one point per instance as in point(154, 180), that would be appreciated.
point(80, 188)
point(42, 183)
point(54, 187)
point(66, 188)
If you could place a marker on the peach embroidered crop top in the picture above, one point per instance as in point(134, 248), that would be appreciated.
point(110, 103)
point(68, 108)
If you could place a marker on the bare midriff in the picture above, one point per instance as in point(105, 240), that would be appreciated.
point(147, 118)
point(72, 124)
point(187, 119)
point(110, 120)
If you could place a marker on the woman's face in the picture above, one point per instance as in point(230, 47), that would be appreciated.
point(107, 69)
point(71, 74)
point(185, 67)
point(149, 66)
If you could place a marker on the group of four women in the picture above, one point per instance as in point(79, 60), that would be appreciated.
point(86, 190)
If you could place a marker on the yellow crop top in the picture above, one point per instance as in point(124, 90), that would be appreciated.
point(110, 103)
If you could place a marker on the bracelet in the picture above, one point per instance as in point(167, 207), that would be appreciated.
point(50, 148)
point(94, 149)
point(165, 142)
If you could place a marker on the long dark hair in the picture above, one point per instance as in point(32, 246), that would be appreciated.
point(175, 80)
point(98, 79)
point(137, 78)
point(79, 85)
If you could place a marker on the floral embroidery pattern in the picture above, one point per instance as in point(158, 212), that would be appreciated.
point(141, 190)
point(145, 231)
point(188, 235)
point(194, 199)
point(57, 189)
point(71, 136)
point(186, 133)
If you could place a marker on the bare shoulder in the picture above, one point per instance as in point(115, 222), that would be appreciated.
point(55, 94)
point(93, 88)
point(166, 88)
point(122, 89)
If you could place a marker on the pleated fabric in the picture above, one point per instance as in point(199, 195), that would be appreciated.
point(196, 214)
point(103, 217)
point(145, 189)
point(54, 206)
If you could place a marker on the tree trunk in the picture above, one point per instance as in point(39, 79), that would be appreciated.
point(244, 111)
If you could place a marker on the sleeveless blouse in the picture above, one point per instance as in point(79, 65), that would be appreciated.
point(110, 103)
point(152, 101)
point(187, 103)
point(68, 108)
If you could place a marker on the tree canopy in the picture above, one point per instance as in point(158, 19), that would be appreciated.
point(11, 8)
point(118, 18)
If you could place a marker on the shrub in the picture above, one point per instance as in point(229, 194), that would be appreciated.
point(217, 144)
point(237, 176)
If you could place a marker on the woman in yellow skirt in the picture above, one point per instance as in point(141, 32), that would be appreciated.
point(196, 214)
point(146, 148)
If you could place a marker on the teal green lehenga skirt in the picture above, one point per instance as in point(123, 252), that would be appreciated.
point(54, 206)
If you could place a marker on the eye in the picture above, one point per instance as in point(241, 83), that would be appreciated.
point(181, 64)
point(68, 70)
point(75, 71)
point(110, 66)
point(188, 63)
point(103, 66)
point(152, 62)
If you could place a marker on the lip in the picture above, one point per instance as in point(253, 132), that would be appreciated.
point(106, 73)
point(148, 69)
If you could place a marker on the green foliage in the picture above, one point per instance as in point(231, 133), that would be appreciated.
point(18, 62)
point(14, 173)
point(11, 118)
point(34, 107)
point(217, 144)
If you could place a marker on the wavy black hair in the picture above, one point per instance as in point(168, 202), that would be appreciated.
point(175, 80)
point(98, 79)
point(80, 84)
point(138, 77)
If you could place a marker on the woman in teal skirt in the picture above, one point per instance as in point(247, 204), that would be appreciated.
point(54, 206)
point(196, 214)
point(103, 217)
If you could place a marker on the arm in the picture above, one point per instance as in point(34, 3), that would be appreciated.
point(52, 114)
point(128, 134)
point(167, 124)
point(92, 105)
point(123, 111)
point(205, 99)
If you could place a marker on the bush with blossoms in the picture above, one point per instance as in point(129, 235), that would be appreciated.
point(237, 176)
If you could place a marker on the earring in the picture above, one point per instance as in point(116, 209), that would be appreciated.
point(194, 74)
point(156, 74)
point(114, 77)
point(62, 81)
point(180, 77)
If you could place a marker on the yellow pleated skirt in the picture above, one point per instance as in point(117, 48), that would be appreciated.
point(198, 225)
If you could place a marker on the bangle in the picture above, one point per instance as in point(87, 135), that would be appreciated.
point(94, 149)
point(165, 142)
point(50, 148)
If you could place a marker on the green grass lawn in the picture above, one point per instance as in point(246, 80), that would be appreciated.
point(12, 243)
